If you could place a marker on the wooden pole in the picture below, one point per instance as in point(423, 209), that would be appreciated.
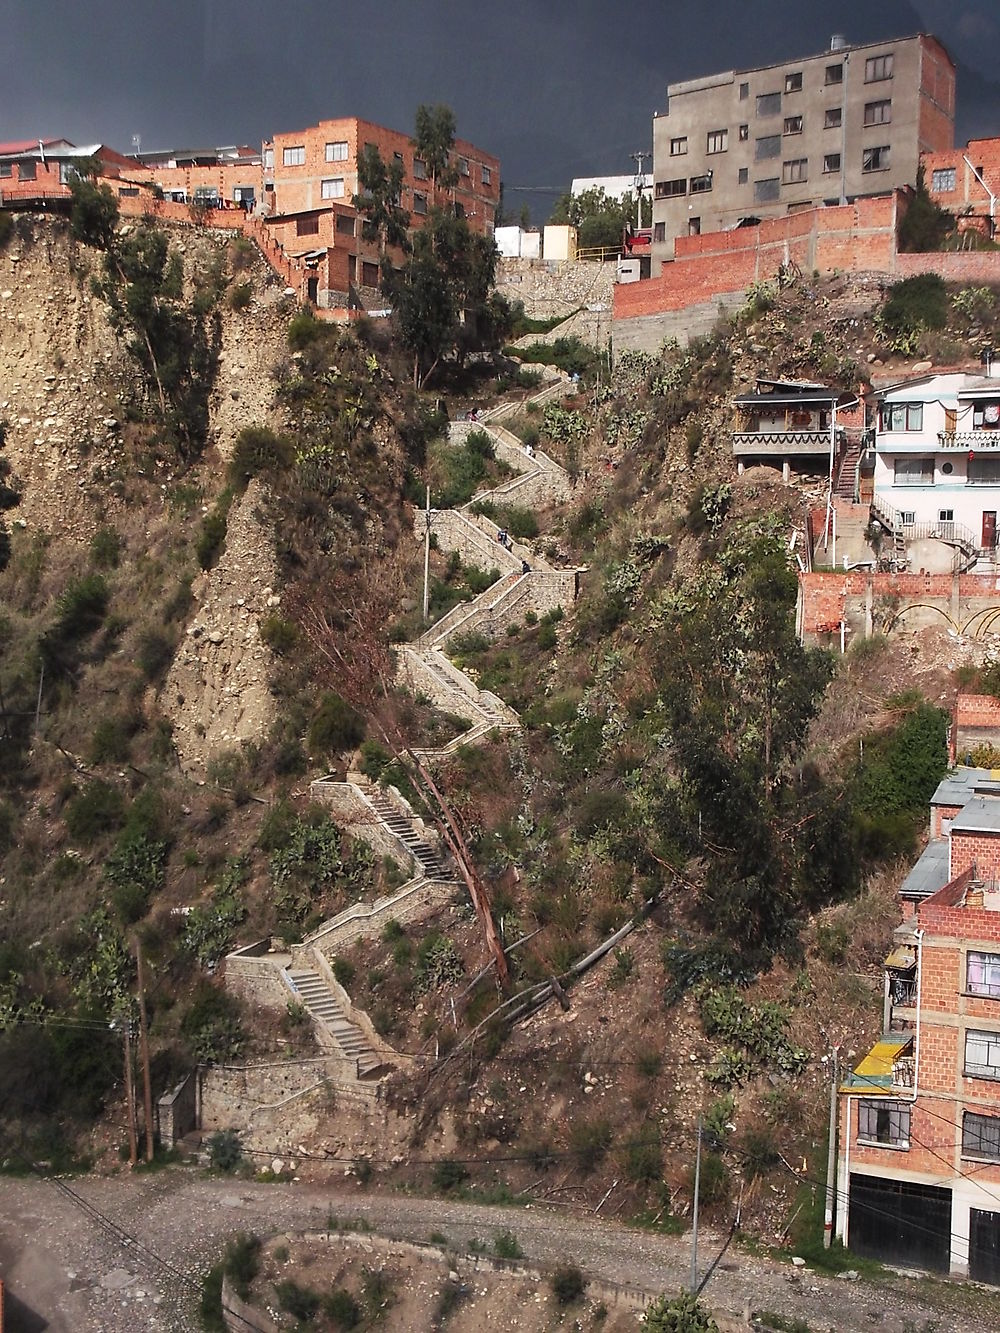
point(147, 1086)
point(133, 1150)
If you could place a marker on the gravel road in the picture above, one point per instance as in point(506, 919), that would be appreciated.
point(67, 1270)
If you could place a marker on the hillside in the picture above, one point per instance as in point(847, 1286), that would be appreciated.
point(206, 620)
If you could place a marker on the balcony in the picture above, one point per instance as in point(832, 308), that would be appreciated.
point(969, 439)
point(904, 1071)
point(783, 443)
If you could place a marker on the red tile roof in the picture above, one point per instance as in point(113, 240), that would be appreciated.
point(26, 145)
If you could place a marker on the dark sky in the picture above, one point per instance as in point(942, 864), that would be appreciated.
point(554, 88)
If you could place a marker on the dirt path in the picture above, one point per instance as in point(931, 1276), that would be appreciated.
point(62, 1263)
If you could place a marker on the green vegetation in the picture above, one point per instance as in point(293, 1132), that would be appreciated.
point(679, 1314)
point(568, 1284)
point(600, 221)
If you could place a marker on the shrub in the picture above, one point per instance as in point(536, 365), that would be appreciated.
point(211, 536)
point(343, 970)
point(154, 653)
point(105, 548)
point(212, 1025)
point(97, 809)
point(335, 727)
point(225, 1152)
point(589, 1141)
point(568, 1283)
point(240, 295)
point(260, 452)
point(300, 1302)
point(304, 329)
point(82, 607)
point(713, 1183)
point(242, 1262)
point(280, 635)
point(915, 304)
point(449, 1175)
point(642, 1159)
point(110, 742)
point(341, 1308)
point(506, 1246)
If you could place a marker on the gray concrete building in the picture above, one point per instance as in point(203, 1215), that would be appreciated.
point(828, 128)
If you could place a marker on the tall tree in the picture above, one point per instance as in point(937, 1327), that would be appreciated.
point(433, 141)
point(380, 191)
point(599, 220)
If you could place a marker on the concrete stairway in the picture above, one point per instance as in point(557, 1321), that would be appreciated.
point(430, 862)
point(846, 487)
point(324, 1006)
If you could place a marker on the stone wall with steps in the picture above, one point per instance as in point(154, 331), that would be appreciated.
point(415, 899)
point(254, 973)
point(352, 812)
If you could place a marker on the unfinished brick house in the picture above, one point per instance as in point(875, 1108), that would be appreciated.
point(966, 182)
point(36, 172)
point(309, 169)
point(919, 1141)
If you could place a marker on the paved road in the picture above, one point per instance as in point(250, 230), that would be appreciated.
point(71, 1272)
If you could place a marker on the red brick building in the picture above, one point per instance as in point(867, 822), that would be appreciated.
point(919, 1142)
point(313, 168)
point(966, 182)
point(35, 172)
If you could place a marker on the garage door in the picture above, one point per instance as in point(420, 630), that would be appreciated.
point(984, 1246)
point(900, 1223)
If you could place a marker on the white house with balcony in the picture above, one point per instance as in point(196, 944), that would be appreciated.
point(937, 462)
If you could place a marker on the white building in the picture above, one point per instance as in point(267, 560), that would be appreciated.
point(614, 187)
point(937, 460)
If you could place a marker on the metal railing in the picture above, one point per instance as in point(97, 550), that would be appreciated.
point(954, 534)
point(784, 441)
point(904, 1071)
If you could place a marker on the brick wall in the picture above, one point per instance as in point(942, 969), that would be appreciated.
point(716, 268)
point(826, 598)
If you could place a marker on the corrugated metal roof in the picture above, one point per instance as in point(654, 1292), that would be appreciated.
point(874, 1073)
point(956, 787)
point(930, 873)
point(902, 958)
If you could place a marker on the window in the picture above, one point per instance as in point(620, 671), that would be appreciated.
point(831, 162)
point(26, 171)
point(946, 516)
point(981, 1136)
point(982, 1054)
point(794, 171)
point(907, 517)
point(834, 74)
point(419, 203)
point(982, 974)
point(717, 141)
point(487, 176)
point(678, 146)
point(659, 231)
point(902, 416)
point(769, 104)
point(884, 1122)
point(985, 416)
point(913, 472)
point(694, 226)
point(793, 82)
point(369, 274)
point(793, 125)
point(878, 68)
point(701, 184)
point(878, 113)
point(269, 159)
point(307, 226)
point(293, 157)
point(744, 91)
point(744, 133)
point(943, 180)
point(766, 192)
point(833, 118)
point(875, 159)
point(67, 173)
point(337, 152)
point(419, 169)
point(6, 170)
point(667, 189)
point(983, 472)
point(743, 176)
point(767, 147)
point(463, 166)
point(333, 189)
point(128, 191)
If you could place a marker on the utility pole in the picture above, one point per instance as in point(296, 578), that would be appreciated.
point(694, 1215)
point(640, 175)
point(831, 1153)
point(147, 1086)
point(133, 1151)
point(427, 556)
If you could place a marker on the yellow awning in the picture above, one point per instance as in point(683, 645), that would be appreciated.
point(874, 1073)
point(902, 958)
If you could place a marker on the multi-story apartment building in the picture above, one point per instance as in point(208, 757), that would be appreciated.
point(919, 1142)
point(937, 460)
point(212, 177)
point(310, 169)
point(828, 128)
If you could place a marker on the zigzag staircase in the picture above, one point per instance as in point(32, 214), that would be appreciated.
point(382, 816)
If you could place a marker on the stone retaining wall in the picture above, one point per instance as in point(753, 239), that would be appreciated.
point(547, 288)
point(348, 809)
point(254, 973)
point(455, 532)
point(245, 1097)
point(413, 901)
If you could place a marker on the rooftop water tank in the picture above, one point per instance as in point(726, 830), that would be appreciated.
point(838, 42)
